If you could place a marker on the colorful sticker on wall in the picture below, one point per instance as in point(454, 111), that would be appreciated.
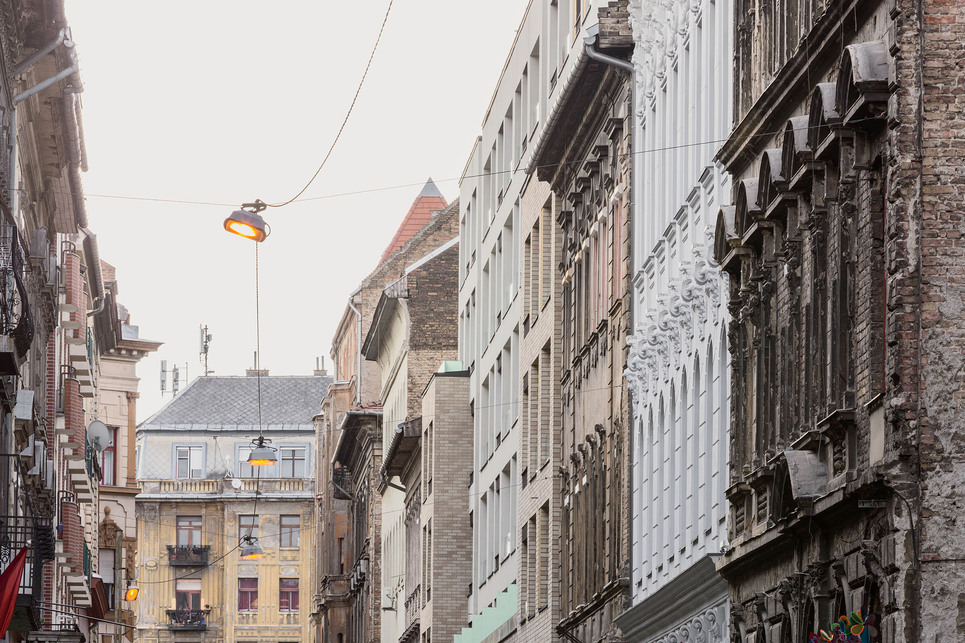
point(848, 629)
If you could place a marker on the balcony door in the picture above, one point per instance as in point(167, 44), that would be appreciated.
point(189, 530)
point(187, 593)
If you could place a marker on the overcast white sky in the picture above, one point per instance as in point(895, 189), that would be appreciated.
point(220, 102)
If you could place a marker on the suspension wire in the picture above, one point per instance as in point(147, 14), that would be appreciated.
point(351, 107)
point(76, 615)
point(258, 343)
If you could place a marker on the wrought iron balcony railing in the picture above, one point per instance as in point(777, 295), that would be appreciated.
point(188, 619)
point(187, 555)
point(16, 321)
point(15, 532)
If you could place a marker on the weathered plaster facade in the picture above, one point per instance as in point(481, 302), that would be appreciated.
point(200, 498)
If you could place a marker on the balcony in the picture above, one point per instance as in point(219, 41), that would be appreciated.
point(16, 321)
point(196, 486)
point(187, 555)
point(15, 532)
point(188, 620)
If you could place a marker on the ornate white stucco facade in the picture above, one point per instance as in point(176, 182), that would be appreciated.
point(678, 363)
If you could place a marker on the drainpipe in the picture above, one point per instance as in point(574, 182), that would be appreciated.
point(589, 44)
point(100, 306)
point(63, 38)
point(358, 350)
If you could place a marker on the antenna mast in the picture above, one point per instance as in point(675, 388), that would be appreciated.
point(204, 344)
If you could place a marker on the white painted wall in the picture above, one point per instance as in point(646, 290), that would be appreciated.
point(678, 363)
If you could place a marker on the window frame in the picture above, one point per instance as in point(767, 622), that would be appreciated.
point(188, 529)
point(247, 596)
point(282, 460)
point(246, 471)
point(287, 595)
point(110, 452)
point(193, 596)
point(243, 528)
point(175, 459)
point(286, 533)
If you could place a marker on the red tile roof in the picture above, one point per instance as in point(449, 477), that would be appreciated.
point(417, 217)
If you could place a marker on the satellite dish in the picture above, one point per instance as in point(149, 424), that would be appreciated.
point(236, 483)
point(98, 435)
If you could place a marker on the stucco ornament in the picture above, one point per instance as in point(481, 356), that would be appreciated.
point(677, 328)
point(705, 628)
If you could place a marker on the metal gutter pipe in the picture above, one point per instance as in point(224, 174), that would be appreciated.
point(23, 65)
point(63, 37)
point(358, 349)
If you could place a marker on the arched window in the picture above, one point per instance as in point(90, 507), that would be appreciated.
point(685, 464)
point(723, 397)
point(713, 491)
point(673, 472)
point(660, 544)
point(649, 496)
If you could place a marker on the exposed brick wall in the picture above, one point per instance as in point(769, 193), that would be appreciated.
point(445, 407)
point(873, 278)
point(938, 66)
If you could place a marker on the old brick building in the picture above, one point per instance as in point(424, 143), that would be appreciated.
point(413, 331)
point(844, 255)
point(348, 597)
point(584, 153)
point(58, 317)
point(429, 454)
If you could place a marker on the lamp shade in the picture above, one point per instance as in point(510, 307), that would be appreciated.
point(251, 550)
point(131, 594)
point(247, 224)
point(262, 455)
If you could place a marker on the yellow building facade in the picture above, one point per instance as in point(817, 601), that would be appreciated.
point(200, 502)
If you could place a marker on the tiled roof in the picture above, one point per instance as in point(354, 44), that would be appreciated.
point(231, 403)
point(429, 199)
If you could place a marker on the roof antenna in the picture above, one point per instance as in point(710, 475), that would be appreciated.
point(204, 344)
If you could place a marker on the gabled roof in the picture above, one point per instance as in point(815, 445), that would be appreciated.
point(429, 199)
point(230, 403)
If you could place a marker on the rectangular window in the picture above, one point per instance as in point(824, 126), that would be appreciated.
point(247, 594)
point(190, 462)
point(187, 593)
point(108, 461)
point(245, 470)
point(288, 594)
point(546, 253)
point(189, 530)
point(288, 537)
point(247, 526)
point(427, 460)
point(543, 538)
point(292, 462)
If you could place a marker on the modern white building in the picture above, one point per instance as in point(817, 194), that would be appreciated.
point(678, 364)
point(491, 313)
